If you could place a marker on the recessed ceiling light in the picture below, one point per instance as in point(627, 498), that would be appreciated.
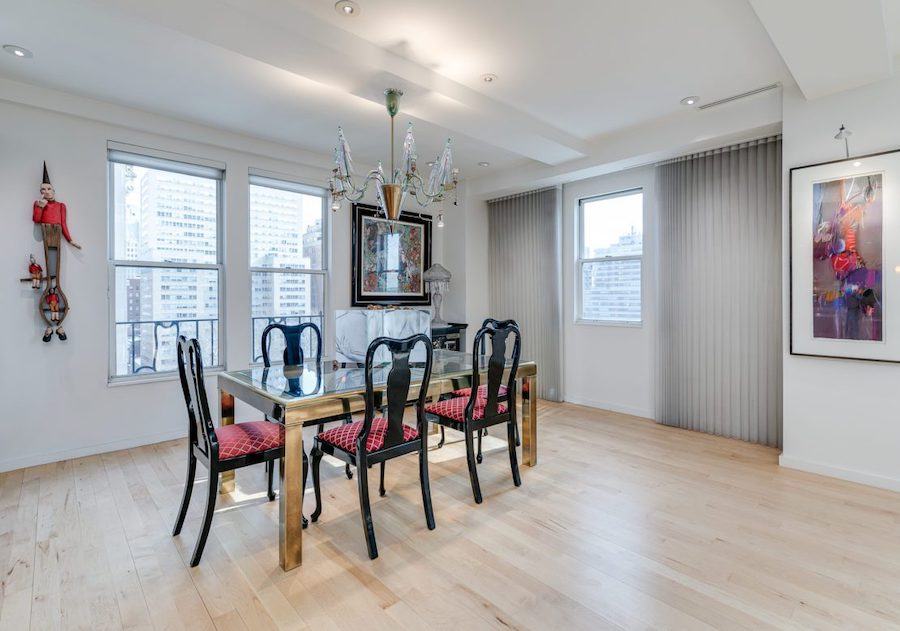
point(690, 100)
point(347, 8)
point(489, 77)
point(18, 51)
point(431, 163)
point(484, 164)
point(857, 163)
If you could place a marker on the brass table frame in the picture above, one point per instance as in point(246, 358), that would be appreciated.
point(295, 413)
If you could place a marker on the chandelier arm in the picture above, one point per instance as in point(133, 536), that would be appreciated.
point(359, 191)
point(355, 196)
point(421, 183)
point(432, 195)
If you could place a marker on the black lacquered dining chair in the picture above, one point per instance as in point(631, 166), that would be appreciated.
point(218, 448)
point(472, 413)
point(482, 389)
point(293, 356)
point(375, 440)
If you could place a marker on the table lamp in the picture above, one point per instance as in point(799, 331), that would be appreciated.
point(437, 278)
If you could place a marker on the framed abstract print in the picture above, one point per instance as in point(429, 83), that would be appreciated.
point(845, 258)
point(389, 260)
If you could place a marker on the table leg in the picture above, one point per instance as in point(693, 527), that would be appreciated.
point(290, 501)
point(529, 421)
point(226, 417)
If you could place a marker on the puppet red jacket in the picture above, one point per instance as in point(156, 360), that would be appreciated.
point(53, 213)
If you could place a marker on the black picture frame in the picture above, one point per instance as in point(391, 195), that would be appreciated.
point(357, 299)
point(791, 262)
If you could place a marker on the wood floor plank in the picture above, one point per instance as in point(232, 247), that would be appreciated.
point(624, 524)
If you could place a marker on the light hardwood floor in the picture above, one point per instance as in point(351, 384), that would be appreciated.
point(624, 524)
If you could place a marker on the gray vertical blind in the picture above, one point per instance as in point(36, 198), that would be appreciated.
point(524, 267)
point(719, 343)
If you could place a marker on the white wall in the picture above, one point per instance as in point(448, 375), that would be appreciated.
point(841, 418)
point(465, 255)
point(56, 401)
point(609, 366)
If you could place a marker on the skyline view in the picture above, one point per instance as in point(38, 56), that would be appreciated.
point(611, 289)
point(167, 217)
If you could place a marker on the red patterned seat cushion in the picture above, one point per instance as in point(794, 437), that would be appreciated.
point(344, 436)
point(455, 408)
point(482, 392)
point(240, 439)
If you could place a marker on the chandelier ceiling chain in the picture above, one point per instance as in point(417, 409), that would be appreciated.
point(391, 190)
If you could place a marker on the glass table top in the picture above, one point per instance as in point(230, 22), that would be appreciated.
point(290, 384)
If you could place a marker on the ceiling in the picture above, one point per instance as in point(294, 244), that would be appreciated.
point(569, 74)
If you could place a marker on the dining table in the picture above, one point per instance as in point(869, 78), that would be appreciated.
point(302, 395)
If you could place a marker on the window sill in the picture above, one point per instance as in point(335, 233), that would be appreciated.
point(133, 380)
point(612, 323)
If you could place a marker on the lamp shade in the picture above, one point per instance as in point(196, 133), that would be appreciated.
point(436, 273)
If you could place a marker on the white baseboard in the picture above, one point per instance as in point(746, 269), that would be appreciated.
point(32, 460)
point(612, 407)
point(851, 475)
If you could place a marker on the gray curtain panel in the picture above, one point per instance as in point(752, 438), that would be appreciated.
point(524, 234)
point(719, 343)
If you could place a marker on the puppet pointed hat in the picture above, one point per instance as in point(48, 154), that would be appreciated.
point(46, 175)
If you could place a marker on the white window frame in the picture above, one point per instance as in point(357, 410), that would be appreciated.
point(163, 161)
point(285, 183)
point(580, 261)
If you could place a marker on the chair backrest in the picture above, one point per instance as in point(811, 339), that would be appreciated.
point(491, 322)
point(498, 332)
point(398, 382)
point(201, 431)
point(293, 347)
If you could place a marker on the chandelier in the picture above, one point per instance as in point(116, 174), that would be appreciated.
point(392, 189)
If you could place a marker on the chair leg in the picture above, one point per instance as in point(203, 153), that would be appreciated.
point(470, 459)
point(207, 516)
point(516, 429)
point(443, 437)
point(381, 490)
point(270, 470)
point(188, 487)
point(479, 457)
point(362, 479)
point(347, 470)
point(316, 459)
point(426, 487)
point(303, 521)
point(513, 462)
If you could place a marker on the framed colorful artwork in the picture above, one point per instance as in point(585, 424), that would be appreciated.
point(845, 258)
point(389, 258)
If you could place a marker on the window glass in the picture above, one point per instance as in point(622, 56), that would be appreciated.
point(163, 216)
point(613, 226)
point(285, 229)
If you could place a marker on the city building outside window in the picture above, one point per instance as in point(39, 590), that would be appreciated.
point(165, 262)
point(288, 271)
point(610, 253)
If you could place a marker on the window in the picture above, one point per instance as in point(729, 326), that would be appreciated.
point(165, 262)
point(287, 259)
point(610, 248)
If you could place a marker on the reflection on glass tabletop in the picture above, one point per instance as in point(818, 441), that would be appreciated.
point(312, 379)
